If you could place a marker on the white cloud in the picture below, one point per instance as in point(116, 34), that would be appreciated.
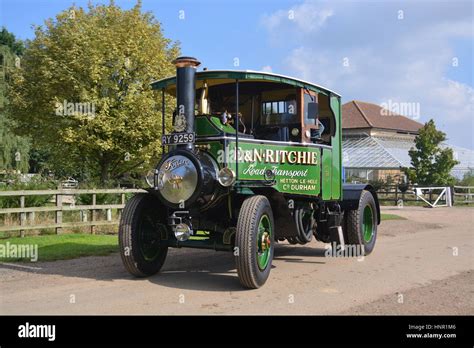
point(388, 59)
point(304, 18)
point(267, 68)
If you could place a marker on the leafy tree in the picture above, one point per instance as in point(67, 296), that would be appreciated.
point(8, 39)
point(431, 164)
point(467, 180)
point(13, 149)
point(102, 59)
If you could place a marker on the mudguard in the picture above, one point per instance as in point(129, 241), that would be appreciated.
point(351, 195)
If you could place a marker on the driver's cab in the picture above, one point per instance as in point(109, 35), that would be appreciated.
point(267, 111)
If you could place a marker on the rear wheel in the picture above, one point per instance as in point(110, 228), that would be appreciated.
point(361, 224)
point(141, 231)
point(254, 241)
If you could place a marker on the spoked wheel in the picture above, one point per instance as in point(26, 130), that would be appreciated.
point(361, 224)
point(254, 241)
point(141, 231)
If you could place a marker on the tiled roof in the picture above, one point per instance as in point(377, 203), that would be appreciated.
point(357, 114)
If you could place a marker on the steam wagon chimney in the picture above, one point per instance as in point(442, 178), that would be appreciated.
point(186, 90)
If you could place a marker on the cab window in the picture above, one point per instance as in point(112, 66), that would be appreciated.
point(279, 112)
point(308, 121)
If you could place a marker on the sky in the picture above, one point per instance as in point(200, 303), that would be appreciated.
point(413, 57)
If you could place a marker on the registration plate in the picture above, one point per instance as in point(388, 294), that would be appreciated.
point(177, 138)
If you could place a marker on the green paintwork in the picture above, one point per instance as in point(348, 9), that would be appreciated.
point(205, 127)
point(326, 174)
point(368, 224)
point(336, 184)
point(290, 178)
point(322, 179)
point(263, 250)
point(232, 75)
point(212, 126)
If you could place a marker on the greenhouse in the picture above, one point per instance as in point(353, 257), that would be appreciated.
point(377, 158)
point(375, 146)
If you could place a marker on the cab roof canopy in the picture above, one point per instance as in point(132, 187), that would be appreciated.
point(219, 77)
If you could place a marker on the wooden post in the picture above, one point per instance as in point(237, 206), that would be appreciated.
point(93, 213)
point(59, 212)
point(83, 214)
point(119, 211)
point(22, 216)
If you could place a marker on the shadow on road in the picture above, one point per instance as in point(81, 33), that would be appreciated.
point(184, 269)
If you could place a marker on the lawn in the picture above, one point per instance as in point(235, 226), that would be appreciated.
point(62, 247)
point(386, 217)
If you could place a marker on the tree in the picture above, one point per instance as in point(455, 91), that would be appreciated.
point(467, 180)
point(9, 39)
point(14, 150)
point(83, 91)
point(431, 164)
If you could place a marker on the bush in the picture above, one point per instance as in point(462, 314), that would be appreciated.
point(101, 198)
point(35, 183)
point(467, 180)
point(377, 184)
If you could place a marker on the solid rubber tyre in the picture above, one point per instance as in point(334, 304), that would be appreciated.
point(142, 227)
point(255, 219)
point(357, 223)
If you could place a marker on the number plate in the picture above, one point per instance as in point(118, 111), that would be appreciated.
point(177, 138)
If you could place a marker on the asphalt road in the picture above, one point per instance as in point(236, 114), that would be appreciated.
point(422, 265)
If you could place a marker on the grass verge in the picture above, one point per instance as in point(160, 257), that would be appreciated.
point(386, 217)
point(60, 247)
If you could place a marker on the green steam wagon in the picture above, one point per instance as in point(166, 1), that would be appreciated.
point(254, 159)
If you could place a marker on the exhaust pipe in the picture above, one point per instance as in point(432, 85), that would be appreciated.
point(185, 95)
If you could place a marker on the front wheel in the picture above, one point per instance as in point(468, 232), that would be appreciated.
point(254, 242)
point(361, 224)
point(141, 231)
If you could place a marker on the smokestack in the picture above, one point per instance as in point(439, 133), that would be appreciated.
point(185, 93)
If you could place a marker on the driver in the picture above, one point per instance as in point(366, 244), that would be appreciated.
point(226, 118)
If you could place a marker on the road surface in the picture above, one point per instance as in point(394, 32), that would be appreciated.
point(422, 265)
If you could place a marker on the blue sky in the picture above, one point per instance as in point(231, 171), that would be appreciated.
point(397, 52)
